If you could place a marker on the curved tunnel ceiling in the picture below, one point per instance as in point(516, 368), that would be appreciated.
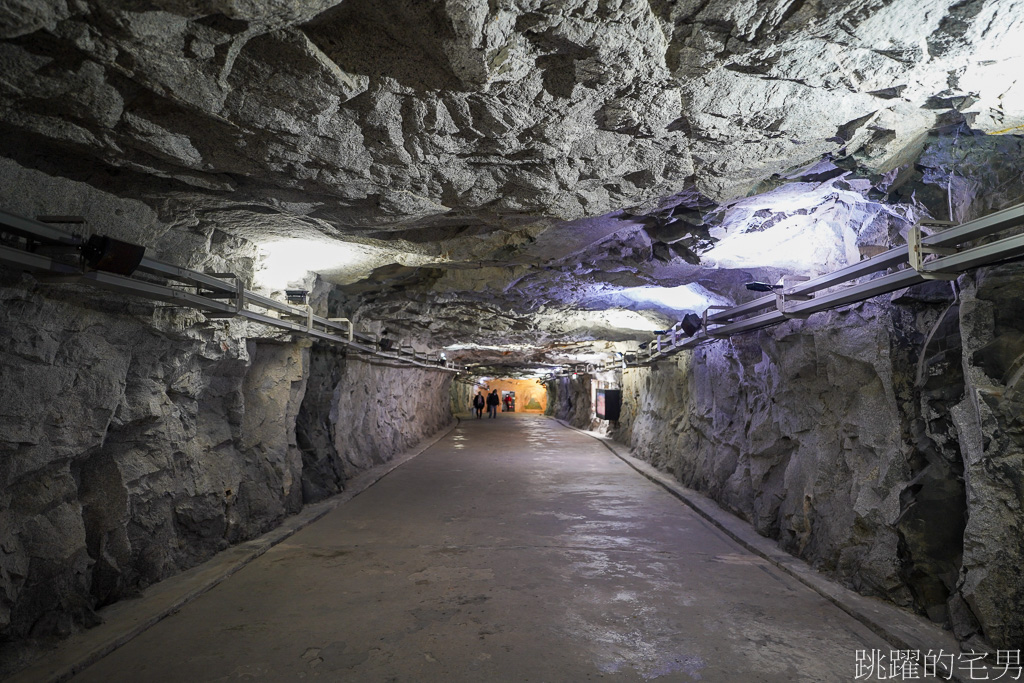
point(523, 182)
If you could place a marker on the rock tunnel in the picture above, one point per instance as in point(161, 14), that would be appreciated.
point(346, 218)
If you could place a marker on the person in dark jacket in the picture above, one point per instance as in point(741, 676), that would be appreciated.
point(478, 405)
point(492, 404)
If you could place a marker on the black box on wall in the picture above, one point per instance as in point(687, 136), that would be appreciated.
point(609, 404)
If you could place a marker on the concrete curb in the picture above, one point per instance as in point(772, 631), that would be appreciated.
point(902, 629)
point(126, 619)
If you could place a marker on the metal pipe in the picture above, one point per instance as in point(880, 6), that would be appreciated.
point(230, 308)
point(734, 321)
point(26, 227)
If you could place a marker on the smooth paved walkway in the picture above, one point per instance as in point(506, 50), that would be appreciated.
point(515, 549)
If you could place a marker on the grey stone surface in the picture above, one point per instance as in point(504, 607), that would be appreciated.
point(566, 110)
point(531, 183)
point(884, 461)
point(138, 441)
point(988, 424)
point(525, 151)
point(357, 414)
point(569, 400)
point(796, 430)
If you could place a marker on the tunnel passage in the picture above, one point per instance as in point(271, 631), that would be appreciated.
point(511, 549)
point(249, 253)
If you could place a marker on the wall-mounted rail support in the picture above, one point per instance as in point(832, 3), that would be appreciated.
point(218, 295)
point(951, 251)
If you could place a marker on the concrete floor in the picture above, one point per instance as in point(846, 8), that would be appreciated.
point(512, 550)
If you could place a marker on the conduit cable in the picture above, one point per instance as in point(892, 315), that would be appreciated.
point(918, 380)
point(944, 253)
point(219, 295)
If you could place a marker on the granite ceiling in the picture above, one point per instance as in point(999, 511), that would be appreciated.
point(519, 178)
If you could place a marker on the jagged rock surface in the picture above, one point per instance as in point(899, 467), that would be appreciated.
point(357, 414)
point(505, 142)
point(535, 182)
point(138, 440)
point(569, 400)
point(989, 428)
point(796, 430)
point(884, 462)
point(567, 110)
point(133, 450)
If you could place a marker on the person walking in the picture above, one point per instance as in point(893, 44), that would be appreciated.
point(492, 404)
point(478, 405)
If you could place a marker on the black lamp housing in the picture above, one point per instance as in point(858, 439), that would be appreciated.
point(761, 287)
point(690, 324)
point(113, 256)
point(296, 296)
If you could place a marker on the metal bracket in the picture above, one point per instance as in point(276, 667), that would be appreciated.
point(786, 294)
point(916, 251)
point(351, 327)
point(238, 293)
point(704, 318)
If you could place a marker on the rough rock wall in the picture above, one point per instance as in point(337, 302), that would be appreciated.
point(569, 399)
point(137, 440)
point(108, 409)
point(564, 109)
point(357, 414)
point(131, 450)
point(989, 424)
point(461, 397)
point(838, 436)
point(792, 429)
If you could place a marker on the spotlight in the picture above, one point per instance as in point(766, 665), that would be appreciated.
point(113, 256)
point(761, 287)
point(296, 296)
point(690, 324)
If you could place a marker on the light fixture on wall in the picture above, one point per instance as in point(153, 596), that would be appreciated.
point(296, 296)
point(761, 287)
point(113, 256)
point(690, 324)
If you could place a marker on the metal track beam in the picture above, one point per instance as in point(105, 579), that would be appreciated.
point(746, 317)
point(26, 227)
point(311, 325)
